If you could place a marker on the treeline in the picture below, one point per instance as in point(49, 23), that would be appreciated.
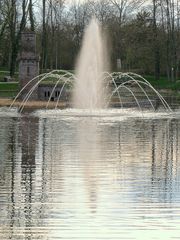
point(144, 35)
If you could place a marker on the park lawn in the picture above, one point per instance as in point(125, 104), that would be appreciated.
point(8, 94)
point(9, 89)
point(163, 83)
point(9, 86)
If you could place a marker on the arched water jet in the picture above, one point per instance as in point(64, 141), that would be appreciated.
point(66, 81)
point(120, 75)
point(163, 101)
point(44, 76)
point(53, 90)
point(109, 78)
point(37, 84)
point(165, 104)
point(28, 95)
point(113, 81)
point(128, 89)
point(19, 93)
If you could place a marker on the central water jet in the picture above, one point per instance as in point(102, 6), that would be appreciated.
point(89, 91)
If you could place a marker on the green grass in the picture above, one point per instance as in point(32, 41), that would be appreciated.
point(11, 86)
point(8, 94)
point(163, 83)
point(8, 89)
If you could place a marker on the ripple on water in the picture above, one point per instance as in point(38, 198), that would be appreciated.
point(81, 177)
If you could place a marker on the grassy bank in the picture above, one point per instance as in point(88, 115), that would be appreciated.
point(9, 89)
point(163, 83)
point(32, 104)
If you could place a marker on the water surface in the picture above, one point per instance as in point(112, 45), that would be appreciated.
point(89, 177)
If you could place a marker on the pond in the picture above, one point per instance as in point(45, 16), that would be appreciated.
point(79, 176)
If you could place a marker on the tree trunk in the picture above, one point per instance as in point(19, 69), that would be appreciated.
point(44, 37)
point(12, 27)
point(156, 44)
point(31, 16)
point(15, 38)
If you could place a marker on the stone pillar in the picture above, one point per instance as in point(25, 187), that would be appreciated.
point(28, 64)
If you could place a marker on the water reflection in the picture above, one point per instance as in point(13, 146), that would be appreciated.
point(89, 155)
point(27, 140)
point(80, 178)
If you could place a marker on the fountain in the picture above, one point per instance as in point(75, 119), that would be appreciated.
point(92, 87)
point(89, 90)
point(94, 171)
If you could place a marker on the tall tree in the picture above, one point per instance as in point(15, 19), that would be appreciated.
point(31, 16)
point(156, 42)
point(44, 37)
point(15, 31)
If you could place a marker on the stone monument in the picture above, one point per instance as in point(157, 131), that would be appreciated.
point(28, 64)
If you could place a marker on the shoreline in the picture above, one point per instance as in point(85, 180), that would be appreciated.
point(37, 104)
point(6, 102)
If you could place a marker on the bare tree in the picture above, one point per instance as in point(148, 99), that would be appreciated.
point(124, 8)
point(156, 42)
point(54, 25)
point(44, 36)
point(169, 12)
point(31, 15)
point(16, 27)
point(101, 9)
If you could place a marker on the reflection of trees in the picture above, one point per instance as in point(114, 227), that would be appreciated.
point(7, 135)
point(49, 169)
point(52, 153)
point(21, 168)
point(165, 142)
point(28, 140)
point(12, 217)
point(148, 152)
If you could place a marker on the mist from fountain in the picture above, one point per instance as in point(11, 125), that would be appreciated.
point(89, 90)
